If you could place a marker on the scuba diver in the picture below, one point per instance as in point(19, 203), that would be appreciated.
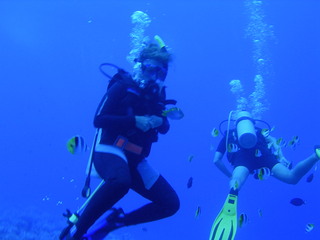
point(129, 119)
point(251, 150)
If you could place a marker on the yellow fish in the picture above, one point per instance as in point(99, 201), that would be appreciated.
point(262, 173)
point(173, 113)
point(198, 212)
point(233, 148)
point(190, 158)
point(294, 142)
point(265, 132)
point(281, 142)
point(76, 144)
point(214, 132)
point(243, 220)
point(309, 227)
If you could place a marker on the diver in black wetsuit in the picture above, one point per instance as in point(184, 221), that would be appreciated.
point(129, 119)
point(250, 150)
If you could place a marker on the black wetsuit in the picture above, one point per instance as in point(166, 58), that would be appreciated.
point(254, 158)
point(116, 117)
point(126, 100)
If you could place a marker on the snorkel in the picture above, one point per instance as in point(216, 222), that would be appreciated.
point(173, 113)
point(160, 42)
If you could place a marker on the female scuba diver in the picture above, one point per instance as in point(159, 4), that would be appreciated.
point(129, 119)
point(251, 150)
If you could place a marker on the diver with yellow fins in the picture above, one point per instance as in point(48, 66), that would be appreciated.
point(249, 149)
point(128, 120)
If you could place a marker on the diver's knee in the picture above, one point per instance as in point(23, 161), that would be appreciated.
point(123, 188)
point(172, 205)
point(293, 181)
point(124, 185)
point(120, 184)
point(175, 206)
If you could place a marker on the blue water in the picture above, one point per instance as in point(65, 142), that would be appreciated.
point(50, 87)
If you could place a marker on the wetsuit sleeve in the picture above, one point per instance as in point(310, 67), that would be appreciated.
point(107, 116)
point(164, 128)
point(222, 146)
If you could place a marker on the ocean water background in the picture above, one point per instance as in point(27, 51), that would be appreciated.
point(50, 86)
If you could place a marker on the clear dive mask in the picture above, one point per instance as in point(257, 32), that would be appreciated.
point(154, 71)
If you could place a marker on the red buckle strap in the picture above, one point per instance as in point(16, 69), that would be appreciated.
point(123, 143)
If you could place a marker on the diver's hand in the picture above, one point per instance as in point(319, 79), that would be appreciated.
point(155, 121)
point(143, 123)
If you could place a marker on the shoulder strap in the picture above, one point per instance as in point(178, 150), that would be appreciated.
point(121, 75)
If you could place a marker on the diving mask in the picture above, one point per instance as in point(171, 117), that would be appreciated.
point(152, 69)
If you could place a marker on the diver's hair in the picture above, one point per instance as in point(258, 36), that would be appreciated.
point(153, 51)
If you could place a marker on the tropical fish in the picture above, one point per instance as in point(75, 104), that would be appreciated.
point(190, 181)
point(190, 158)
point(198, 212)
point(260, 212)
point(243, 220)
point(265, 132)
point(281, 142)
point(76, 144)
point(310, 178)
point(232, 148)
point(173, 113)
point(309, 227)
point(297, 201)
point(258, 153)
point(215, 132)
point(294, 142)
point(262, 173)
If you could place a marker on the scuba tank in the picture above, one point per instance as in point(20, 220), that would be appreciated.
point(247, 137)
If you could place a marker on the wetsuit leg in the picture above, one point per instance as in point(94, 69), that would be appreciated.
point(115, 171)
point(164, 201)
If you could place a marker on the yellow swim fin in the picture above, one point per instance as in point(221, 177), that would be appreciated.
point(225, 224)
